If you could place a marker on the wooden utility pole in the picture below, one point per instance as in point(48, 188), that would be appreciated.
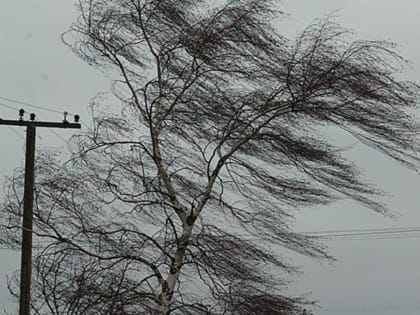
point(28, 199)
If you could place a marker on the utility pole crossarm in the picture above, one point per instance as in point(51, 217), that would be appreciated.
point(47, 124)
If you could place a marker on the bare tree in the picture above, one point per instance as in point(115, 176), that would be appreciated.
point(219, 133)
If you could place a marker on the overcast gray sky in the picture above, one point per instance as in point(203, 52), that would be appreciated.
point(371, 277)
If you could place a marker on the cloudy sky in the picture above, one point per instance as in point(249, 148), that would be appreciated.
point(370, 277)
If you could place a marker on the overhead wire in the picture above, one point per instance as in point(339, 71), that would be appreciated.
point(8, 106)
point(356, 234)
point(30, 105)
point(58, 136)
point(368, 234)
point(20, 136)
point(36, 106)
point(364, 230)
point(16, 133)
point(376, 238)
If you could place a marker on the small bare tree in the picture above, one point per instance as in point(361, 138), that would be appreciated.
point(171, 201)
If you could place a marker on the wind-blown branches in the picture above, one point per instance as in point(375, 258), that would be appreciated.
point(170, 202)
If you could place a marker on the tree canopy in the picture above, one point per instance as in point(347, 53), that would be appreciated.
point(218, 132)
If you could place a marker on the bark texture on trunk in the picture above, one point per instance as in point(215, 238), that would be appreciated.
point(169, 284)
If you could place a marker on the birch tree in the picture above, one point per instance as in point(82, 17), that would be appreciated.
point(217, 132)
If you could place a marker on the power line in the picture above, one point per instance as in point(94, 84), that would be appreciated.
point(382, 238)
point(373, 238)
point(30, 105)
point(356, 234)
point(364, 230)
point(35, 106)
point(16, 133)
point(58, 136)
point(19, 135)
point(368, 234)
point(8, 106)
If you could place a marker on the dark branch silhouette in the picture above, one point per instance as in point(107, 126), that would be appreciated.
point(218, 131)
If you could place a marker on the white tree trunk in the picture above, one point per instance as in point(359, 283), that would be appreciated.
point(170, 282)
